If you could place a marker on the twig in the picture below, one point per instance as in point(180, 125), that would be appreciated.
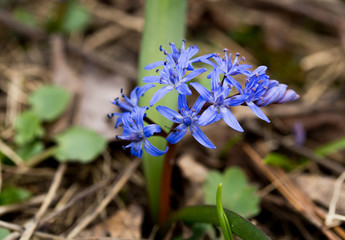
point(30, 226)
point(20, 206)
point(18, 228)
point(12, 155)
point(75, 200)
point(123, 178)
point(331, 216)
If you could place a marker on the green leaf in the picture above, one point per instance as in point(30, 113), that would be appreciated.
point(49, 102)
point(79, 144)
point(28, 127)
point(223, 220)
point(4, 233)
point(10, 195)
point(164, 23)
point(76, 18)
point(29, 150)
point(238, 195)
point(208, 214)
point(332, 147)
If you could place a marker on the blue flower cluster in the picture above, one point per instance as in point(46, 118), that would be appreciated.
point(211, 106)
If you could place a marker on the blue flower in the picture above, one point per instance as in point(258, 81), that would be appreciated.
point(220, 104)
point(276, 93)
point(173, 78)
point(180, 57)
point(134, 131)
point(187, 119)
point(228, 68)
point(129, 104)
point(256, 86)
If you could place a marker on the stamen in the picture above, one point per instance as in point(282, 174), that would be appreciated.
point(237, 54)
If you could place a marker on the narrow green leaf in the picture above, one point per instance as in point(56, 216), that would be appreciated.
point(49, 101)
point(164, 23)
point(28, 127)
point(223, 220)
point(79, 144)
point(332, 147)
point(240, 226)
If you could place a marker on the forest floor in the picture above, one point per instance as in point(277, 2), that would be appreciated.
point(301, 42)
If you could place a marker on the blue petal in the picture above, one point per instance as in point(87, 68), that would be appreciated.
point(257, 111)
point(235, 100)
point(200, 136)
point(199, 103)
point(138, 117)
point(193, 74)
point(160, 93)
point(208, 116)
point(152, 150)
point(177, 134)
point(233, 82)
point(170, 114)
point(182, 103)
point(183, 89)
point(136, 148)
point(143, 89)
point(204, 92)
point(230, 119)
point(288, 96)
point(152, 79)
point(154, 65)
point(149, 130)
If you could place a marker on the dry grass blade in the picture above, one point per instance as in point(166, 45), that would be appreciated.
point(117, 186)
point(17, 228)
point(30, 227)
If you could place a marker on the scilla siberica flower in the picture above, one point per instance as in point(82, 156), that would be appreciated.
point(187, 119)
point(134, 131)
point(129, 104)
point(174, 74)
point(219, 107)
point(211, 105)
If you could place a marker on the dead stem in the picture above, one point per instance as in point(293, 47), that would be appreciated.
point(31, 226)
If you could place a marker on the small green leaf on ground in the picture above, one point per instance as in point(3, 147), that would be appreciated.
point(25, 17)
point(30, 150)
point(280, 160)
point(238, 195)
point(332, 147)
point(49, 101)
point(28, 127)
point(76, 18)
point(4, 233)
point(79, 144)
point(10, 195)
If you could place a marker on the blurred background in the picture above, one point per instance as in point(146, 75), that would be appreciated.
point(90, 48)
